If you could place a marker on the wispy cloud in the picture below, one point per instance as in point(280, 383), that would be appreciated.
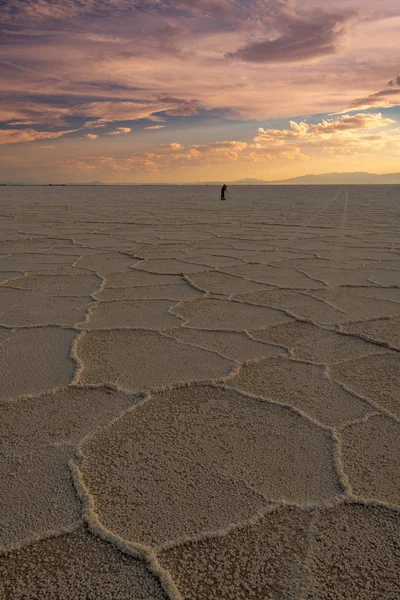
point(394, 82)
point(306, 37)
point(120, 131)
point(109, 111)
point(110, 67)
point(17, 136)
point(37, 11)
point(28, 112)
point(179, 67)
point(385, 98)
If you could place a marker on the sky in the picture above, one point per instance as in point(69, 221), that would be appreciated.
point(180, 91)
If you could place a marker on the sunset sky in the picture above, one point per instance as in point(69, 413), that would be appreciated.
point(197, 90)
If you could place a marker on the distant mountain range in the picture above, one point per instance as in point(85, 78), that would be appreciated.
point(353, 178)
point(329, 179)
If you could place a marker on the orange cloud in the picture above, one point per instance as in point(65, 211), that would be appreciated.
point(16, 136)
point(343, 135)
point(172, 146)
point(351, 135)
point(120, 131)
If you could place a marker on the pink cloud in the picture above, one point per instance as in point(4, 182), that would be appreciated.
point(395, 81)
point(16, 136)
point(384, 99)
point(104, 70)
point(318, 33)
point(109, 111)
point(91, 136)
point(120, 131)
point(141, 80)
point(53, 10)
point(182, 108)
point(27, 112)
point(212, 8)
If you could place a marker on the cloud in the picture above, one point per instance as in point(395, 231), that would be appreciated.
point(395, 81)
point(91, 136)
point(28, 112)
point(95, 124)
point(25, 112)
point(156, 119)
point(383, 99)
point(109, 111)
point(350, 122)
point(100, 113)
point(300, 38)
point(16, 136)
point(175, 146)
point(210, 8)
point(326, 129)
point(348, 134)
point(144, 162)
point(110, 62)
point(181, 107)
point(216, 151)
point(13, 11)
point(163, 157)
point(120, 131)
point(54, 10)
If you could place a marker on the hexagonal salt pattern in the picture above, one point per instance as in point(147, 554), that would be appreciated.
point(198, 399)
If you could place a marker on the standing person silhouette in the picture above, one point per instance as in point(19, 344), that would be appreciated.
point(223, 190)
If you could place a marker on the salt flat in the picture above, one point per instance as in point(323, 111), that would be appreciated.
point(200, 400)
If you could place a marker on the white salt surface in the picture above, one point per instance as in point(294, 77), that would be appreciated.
point(199, 400)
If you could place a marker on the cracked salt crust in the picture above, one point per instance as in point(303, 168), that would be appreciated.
point(197, 490)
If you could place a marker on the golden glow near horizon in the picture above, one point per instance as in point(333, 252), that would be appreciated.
point(122, 91)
